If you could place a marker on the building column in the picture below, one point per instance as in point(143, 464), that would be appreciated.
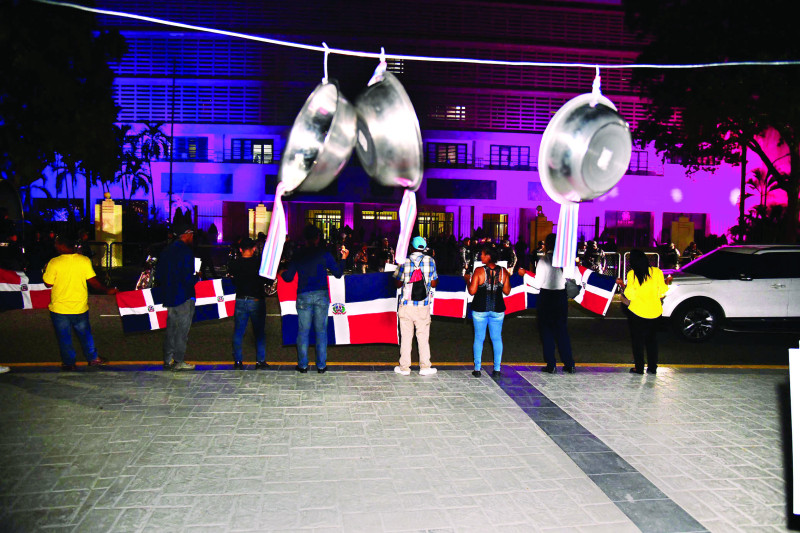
point(348, 214)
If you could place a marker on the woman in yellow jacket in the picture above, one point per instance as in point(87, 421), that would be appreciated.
point(644, 291)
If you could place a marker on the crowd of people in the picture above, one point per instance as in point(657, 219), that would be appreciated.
point(67, 268)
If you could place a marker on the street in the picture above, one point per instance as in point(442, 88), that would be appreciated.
point(28, 338)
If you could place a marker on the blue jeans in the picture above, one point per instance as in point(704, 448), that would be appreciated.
point(256, 312)
point(312, 306)
point(64, 324)
point(480, 319)
point(179, 320)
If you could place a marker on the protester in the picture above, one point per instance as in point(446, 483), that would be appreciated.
point(551, 310)
point(362, 259)
point(385, 255)
point(643, 293)
point(415, 307)
point(311, 265)
point(594, 258)
point(488, 283)
point(175, 274)
point(68, 275)
point(691, 252)
point(250, 303)
point(672, 256)
point(508, 255)
point(465, 256)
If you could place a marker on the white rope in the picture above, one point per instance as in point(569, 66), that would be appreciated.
point(383, 57)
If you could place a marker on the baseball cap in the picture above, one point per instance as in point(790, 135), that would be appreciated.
point(182, 228)
point(418, 243)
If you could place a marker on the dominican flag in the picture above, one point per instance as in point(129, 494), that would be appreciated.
point(144, 310)
point(597, 290)
point(363, 310)
point(17, 292)
point(450, 297)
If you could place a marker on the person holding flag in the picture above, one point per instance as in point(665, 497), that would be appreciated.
point(68, 275)
point(175, 274)
point(416, 276)
point(488, 284)
point(551, 310)
point(311, 265)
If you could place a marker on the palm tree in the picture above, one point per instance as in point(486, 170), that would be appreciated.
point(133, 175)
point(68, 174)
point(153, 144)
point(763, 182)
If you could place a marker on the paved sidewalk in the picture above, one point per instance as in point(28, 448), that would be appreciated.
point(369, 450)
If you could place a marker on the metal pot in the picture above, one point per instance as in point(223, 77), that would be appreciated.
point(389, 142)
point(585, 150)
point(320, 142)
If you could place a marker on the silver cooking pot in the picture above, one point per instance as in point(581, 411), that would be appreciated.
point(585, 150)
point(389, 143)
point(320, 142)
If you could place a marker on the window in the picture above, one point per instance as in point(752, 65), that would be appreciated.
point(514, 157)
point(327, 220)
point(252, 150)
point(449, 112)
point(432, 224)
point(191, 148)
point(444, 154)
point(495, 226)
point(448, 188)
point(378, 215)
point(638, 163)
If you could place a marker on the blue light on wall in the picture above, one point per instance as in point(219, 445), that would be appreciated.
point(183, 182)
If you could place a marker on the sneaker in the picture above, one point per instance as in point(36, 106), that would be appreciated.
point(427, 371)
point(399, 370)
point(569, 369)
point(496, 373)
point(238, 366)
point(301, 369)
point(261, 365)
point(549, 369)
point(635, 371)
point(69, 368)
point(4, 369)
point(476, 373)
point(168, 366)
point(98, 361)
point(183, 365)
point(322, 370)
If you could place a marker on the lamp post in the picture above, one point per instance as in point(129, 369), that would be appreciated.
point(741, 192)
point(171, 142)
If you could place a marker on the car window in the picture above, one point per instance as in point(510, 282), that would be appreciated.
point(722, 264)
point(777, 264)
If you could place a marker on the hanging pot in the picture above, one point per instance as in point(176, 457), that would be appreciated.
point(585, 150)
point(389, 142)
point(320, 142)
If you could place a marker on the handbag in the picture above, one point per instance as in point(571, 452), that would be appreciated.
point(573, 288)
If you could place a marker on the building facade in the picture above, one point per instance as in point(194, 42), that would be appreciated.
point(230, 103)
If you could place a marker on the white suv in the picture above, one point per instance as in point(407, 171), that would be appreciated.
point(734, 284)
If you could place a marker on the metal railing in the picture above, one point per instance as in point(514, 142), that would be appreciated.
point(652, 258)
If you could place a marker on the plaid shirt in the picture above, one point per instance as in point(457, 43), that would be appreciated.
point(403, 273)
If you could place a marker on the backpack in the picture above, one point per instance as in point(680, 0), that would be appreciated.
point(419, 289)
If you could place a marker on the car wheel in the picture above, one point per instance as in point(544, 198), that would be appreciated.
point(697, 321)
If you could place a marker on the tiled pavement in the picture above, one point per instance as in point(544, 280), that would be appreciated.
point(368, 450)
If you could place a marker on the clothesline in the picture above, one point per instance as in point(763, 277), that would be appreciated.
point(381, 56)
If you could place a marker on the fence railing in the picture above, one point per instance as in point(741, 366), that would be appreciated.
point(652, 258)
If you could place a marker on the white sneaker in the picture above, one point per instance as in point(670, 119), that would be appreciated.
point(398, 370)
point(4, 369)
point(427, 371)
point(182, 366)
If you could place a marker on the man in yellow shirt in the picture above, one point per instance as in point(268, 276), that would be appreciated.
point(68, 275)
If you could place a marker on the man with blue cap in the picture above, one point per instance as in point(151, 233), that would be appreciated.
point(416, 277)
